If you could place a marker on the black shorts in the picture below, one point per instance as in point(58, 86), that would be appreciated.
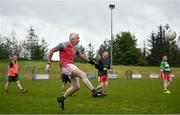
point(65, 78)
point(13, 78)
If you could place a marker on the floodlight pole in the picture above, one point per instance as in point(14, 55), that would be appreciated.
point(111, 6)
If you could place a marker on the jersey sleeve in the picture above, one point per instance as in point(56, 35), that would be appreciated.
point(61, 46)
point(97, 66)
point(100, 62)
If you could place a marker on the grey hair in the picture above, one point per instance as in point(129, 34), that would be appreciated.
point(72, 35)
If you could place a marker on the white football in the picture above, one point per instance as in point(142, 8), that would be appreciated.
point(170, 35)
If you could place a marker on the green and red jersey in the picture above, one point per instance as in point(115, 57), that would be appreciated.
point(103, 63)
point(165, 65)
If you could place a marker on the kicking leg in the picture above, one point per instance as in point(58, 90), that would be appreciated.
point(84, 78)
point(86, 81)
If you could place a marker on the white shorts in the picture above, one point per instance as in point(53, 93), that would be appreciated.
point(69, 69)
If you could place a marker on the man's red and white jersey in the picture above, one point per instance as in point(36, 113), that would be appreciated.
point(67, 53)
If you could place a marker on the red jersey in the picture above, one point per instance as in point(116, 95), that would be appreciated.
point(13, 66)
point(67, 53)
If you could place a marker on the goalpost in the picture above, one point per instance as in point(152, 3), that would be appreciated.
point(24, 72)
point(27, 71)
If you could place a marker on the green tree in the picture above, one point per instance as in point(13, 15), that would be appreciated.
point(16, 47)
point(106, 46)
point(90, 51)
point(31, 43)
point(125, 51)
point(160, 46)
point(37, 50)
point(5, 47)
point(44, 49)
point(82, 49)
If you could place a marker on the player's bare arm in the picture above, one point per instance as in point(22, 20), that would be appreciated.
point(13, 70)
point(51, 54)
point(82, 56)
point(48, 65)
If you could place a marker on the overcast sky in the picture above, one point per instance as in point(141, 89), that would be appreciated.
point(56, 19)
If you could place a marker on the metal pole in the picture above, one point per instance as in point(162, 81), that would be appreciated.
point(111, 39)
point(111, 6)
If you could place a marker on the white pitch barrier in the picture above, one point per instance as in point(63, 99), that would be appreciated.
point(153, 75)
point(136, 76)
point(91, 75)
point(41, 76)
point(112, 76)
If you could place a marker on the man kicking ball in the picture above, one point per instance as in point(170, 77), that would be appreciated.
point(67, 51)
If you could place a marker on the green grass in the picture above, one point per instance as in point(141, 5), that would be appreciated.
point(124, 96)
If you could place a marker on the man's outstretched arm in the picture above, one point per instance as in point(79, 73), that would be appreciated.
point(82, 56)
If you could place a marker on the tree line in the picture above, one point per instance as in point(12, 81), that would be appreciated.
point(30, 48)
point(125, 51)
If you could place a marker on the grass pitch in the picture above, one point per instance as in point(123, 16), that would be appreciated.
point(124, 96)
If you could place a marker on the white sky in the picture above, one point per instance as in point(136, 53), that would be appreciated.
point(55, 19)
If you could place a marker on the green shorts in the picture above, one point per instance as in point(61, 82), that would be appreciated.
point(13, 78)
